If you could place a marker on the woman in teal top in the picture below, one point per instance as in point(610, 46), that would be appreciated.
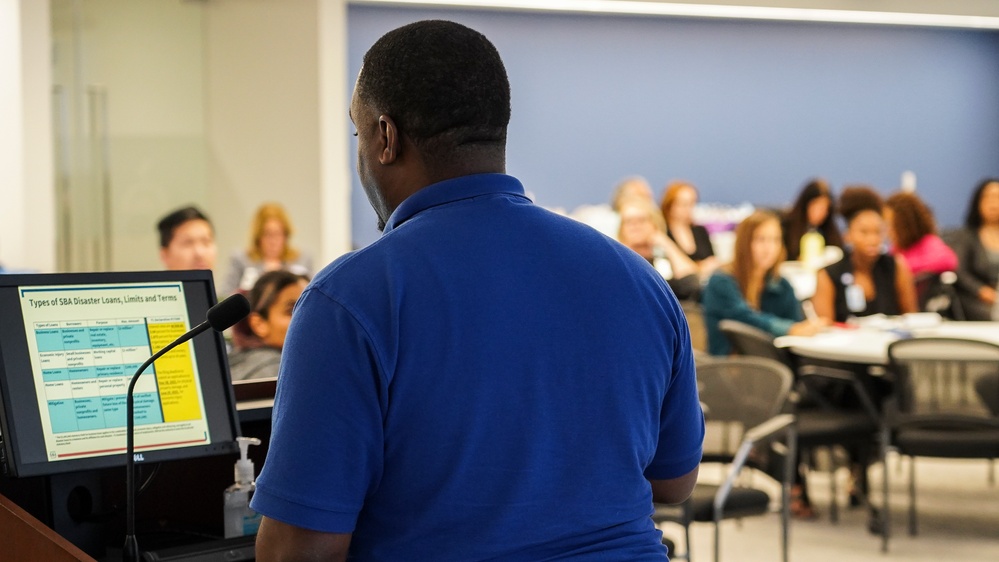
point(750, 290)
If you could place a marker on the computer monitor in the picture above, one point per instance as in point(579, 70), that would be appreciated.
point(70, 343)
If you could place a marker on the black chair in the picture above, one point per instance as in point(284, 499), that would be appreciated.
point(820, 423)
point(936, 293)
point(944, 405)
point(742, 396)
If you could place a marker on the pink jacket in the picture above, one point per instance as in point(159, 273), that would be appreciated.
point(929, 255)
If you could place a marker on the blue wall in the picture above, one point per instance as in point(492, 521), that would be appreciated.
point(745, 110)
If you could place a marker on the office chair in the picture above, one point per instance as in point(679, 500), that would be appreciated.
point(936, 293)
point(744, 396)
point(944, 406)
point(819, 422)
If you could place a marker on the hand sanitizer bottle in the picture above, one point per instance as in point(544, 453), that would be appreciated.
point(240, 520)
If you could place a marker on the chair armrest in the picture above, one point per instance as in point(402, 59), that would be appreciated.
point(957, 421)
point(766, 431)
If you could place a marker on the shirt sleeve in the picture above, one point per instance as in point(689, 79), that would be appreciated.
point(326, 443)
point(681, 422)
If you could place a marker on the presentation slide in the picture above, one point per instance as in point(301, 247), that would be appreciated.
point(86, 342)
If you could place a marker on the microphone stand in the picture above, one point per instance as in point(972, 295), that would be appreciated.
point(130, 551)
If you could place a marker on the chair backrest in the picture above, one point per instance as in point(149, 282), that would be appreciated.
point(935, 293)
point(740, 393)
point(695, 323)
point(752, 342)
point(945, 378)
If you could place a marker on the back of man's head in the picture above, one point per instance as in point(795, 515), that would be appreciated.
point(443, 84)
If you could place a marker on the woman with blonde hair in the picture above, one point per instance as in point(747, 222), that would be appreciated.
point(750, 290)
point(644, 231)
point(269, 250)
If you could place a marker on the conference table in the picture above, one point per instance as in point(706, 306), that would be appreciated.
point(867, 343)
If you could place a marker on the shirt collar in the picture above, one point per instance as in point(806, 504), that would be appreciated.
point(452, 190)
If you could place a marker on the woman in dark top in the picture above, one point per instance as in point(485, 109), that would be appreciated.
point(260, 336)
point(977, 249)
point(678, 210)
point(813, 210)
point(866, 281)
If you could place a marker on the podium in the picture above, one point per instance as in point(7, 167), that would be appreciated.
point(26, 538)
point(63, 518)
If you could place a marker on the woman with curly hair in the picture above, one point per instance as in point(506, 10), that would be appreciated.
point(866, 281)
point(913, 233)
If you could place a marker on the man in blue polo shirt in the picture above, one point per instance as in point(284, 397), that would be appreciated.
point(488, 380)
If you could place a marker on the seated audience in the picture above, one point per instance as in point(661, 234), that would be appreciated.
point(630, 187)
point(977, 249)
point(913, 235)
point(187, 240)
point(605, 218)
point(260, 336)
point(269, 250)
point(813, 212)
point(750, 290)
point(866, 281)
point(678, 210)
point(644, 231)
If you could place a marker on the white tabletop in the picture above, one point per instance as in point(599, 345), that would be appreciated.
point(870, 345)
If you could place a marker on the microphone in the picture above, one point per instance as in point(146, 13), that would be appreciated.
point(219, 317)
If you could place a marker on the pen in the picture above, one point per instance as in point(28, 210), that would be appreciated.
point(809, 310)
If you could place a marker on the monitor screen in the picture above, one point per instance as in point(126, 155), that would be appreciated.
point(70, 343)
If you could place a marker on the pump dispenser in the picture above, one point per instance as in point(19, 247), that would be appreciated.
point(240, 520)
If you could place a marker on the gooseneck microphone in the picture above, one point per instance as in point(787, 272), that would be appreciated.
point(219, 317)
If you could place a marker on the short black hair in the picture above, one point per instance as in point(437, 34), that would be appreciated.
point(973, 218)
point(858, 198)
point(168, 224)
point(443, 84)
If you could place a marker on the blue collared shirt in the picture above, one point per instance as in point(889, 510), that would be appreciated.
point(486, 380)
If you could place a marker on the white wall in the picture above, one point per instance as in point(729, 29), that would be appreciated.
point(268, 112)
point(144, 59)
point(26, 214)
point(262, 115)
point(11, 139)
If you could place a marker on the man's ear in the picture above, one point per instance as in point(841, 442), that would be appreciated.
point(391, 143)
point(258, 325)
point(163, 256)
